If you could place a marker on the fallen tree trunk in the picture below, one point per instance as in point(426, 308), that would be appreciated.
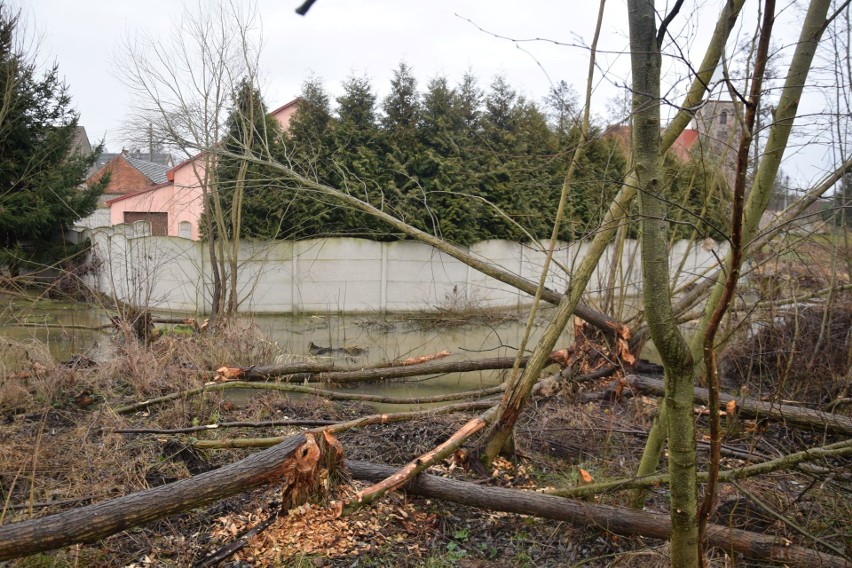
point(329, 394)
point(418, 465)
point(616, 520)
point(360, 422)
point(259, 373)
point(329, 372)
point(295, 462)
point(430, 368)
point(840, 449)
point(750, 407)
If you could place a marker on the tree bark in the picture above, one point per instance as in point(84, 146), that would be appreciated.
point(295, 462)
point(677, 360)
point(429, 368)
point(329, 372)
point(749, 407)
point(616, 520)
point(519, 384)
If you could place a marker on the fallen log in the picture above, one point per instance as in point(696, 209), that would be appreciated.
point(752, 408)
point(428, 368)
point(304, 389)
point(229, 443)
point(329, 372)
point(417, 466)
point(840, 449)
point(262, 372)
point(296, 463)
point(218, 425)
point(617, 520)
point(192, 322)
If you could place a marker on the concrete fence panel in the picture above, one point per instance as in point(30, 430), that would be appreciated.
point(357, 275)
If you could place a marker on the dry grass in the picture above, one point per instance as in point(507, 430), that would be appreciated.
point(59, 443)
point(799, 354)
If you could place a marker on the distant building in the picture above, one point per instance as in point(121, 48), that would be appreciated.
point(161, 158)
point(714, 138)
point(80, 145)
point(719, 136)
point(128, 174)
point(169, 198)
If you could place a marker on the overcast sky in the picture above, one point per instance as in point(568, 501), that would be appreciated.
point(342, 37)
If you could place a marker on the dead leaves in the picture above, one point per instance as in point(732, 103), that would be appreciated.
point(310, 530)
point(506, 474)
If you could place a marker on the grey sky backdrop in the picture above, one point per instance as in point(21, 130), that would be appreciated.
point(370, 37)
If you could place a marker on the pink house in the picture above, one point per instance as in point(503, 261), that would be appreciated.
point(174, 208)
point(284, 114)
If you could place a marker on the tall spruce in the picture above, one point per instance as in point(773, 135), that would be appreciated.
point(497, 152)
point(310, 146)
point(401, 149)
point(253, 188)
point(358, 162)
point(442, 170)
point(40, 171)
point(443, 160)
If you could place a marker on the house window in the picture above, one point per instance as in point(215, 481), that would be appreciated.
point(723, 118)
point(185, 229)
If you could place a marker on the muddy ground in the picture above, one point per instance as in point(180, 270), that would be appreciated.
point(59, 449)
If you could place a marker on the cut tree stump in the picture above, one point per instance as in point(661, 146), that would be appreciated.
point(297, 463)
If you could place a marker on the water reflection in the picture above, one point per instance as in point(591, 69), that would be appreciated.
point(63, 329)
point(74, 329)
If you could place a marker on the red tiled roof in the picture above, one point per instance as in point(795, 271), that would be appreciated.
point(684, 143)
point(680, 148)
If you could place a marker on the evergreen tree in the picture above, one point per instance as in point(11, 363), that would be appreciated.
point(439, 160)
point(40, 174)
point(261, 201)
point(501, 161)
point(402, 151)
point(537, 178)
point(309, 133)
point(699, 197)
point(442, 170)
point(310, 145)
point(357, 160)
point(562, 108)
point(469, 102)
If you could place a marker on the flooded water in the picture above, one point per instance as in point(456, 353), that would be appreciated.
point(63, 329)
point(70, 329)
point(392, 338)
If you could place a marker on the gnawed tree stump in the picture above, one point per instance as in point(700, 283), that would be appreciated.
point(300, 463)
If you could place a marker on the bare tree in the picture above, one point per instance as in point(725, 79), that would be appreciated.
point(183, 85)
point(663, 311)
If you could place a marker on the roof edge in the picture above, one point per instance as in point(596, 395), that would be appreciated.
point(135, 193)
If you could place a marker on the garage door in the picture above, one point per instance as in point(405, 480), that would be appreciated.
point(159, 221)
